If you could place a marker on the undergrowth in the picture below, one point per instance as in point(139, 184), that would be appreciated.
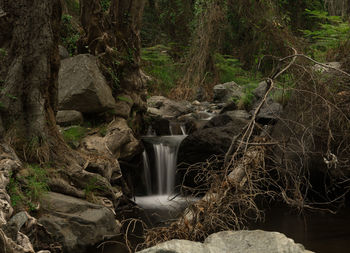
point(165, 72)
point(74, 134)
point(69, 34)
point(27, 188)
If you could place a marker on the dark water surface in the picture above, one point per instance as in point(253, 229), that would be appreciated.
point(318, 232)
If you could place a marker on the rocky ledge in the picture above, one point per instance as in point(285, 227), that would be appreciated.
point(256, 241)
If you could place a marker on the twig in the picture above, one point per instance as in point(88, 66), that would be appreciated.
point(314, 61)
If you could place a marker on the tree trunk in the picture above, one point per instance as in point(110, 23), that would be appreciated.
point(115, 36)
point(29, 91)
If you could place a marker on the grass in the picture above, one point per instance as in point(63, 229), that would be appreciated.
point(27, 189)
point(74, 134)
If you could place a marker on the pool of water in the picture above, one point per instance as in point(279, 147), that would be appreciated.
point(321, 232)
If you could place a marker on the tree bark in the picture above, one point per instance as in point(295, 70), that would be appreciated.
point(29, 91)
point(115, 36)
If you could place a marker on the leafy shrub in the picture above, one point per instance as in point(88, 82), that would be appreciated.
point(230, 69)
point(331, 33)
point(69, 34)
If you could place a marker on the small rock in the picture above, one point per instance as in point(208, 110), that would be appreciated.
point(63, 52)
point(227, 92)
point(69, 117)
point(196, 102)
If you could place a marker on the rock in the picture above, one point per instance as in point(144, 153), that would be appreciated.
point(166, 108)
point(260, 91)
point(227, 92)
point(119, 141)
point(63, 52)
point(69, 117)
point(82, 87)
point(269, 112)
point(123, 106)
point(322, 69)
point(214, 138)
point(238, 114)
point(256, 241)
point(76, 223)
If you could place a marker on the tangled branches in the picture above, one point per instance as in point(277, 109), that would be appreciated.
point(302, 161)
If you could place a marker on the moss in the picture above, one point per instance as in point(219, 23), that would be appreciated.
point(28, 187)
point(74, 134)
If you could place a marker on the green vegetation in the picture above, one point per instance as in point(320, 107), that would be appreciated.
point(105, 4)
point(3, 53)
point(91, 188)
point(330, 34)
point(69, 34)
point(74, 134)
point(161, 67)
point(230, 69)
point(27, 188)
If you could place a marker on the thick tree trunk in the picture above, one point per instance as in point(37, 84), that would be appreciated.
point(115, 37)
point(29, 91)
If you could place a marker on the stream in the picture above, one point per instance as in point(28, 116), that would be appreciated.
point(318, 232)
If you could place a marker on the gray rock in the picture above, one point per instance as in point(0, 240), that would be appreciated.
point(76, 223)
point(214, 138)
point(256, 241)
point(238, 114)
point(63, 52)
point(82, 87)
point(260, 91)
point(69, 117)
point(119, 141)
point(166, 108)
point(324, 69)
point(269, 112)
point(227, 92)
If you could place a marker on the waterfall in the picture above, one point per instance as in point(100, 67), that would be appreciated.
point(163, 168)
point(147, 173)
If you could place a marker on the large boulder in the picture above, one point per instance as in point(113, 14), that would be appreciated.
point(214, 138)
point(256, 241)
point(76, 223)
point(82, 87)
point(227, 92)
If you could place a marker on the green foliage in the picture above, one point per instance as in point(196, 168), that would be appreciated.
point(74, 134)
point(331, 33)
point(91, 188)
point(230, 69)
point(161, 67)
point(3, 53)
point(69, 34)
point(105, 4)
point(103, 130)
point(28, 188)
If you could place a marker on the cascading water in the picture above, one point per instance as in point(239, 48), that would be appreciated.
point(165, 150)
